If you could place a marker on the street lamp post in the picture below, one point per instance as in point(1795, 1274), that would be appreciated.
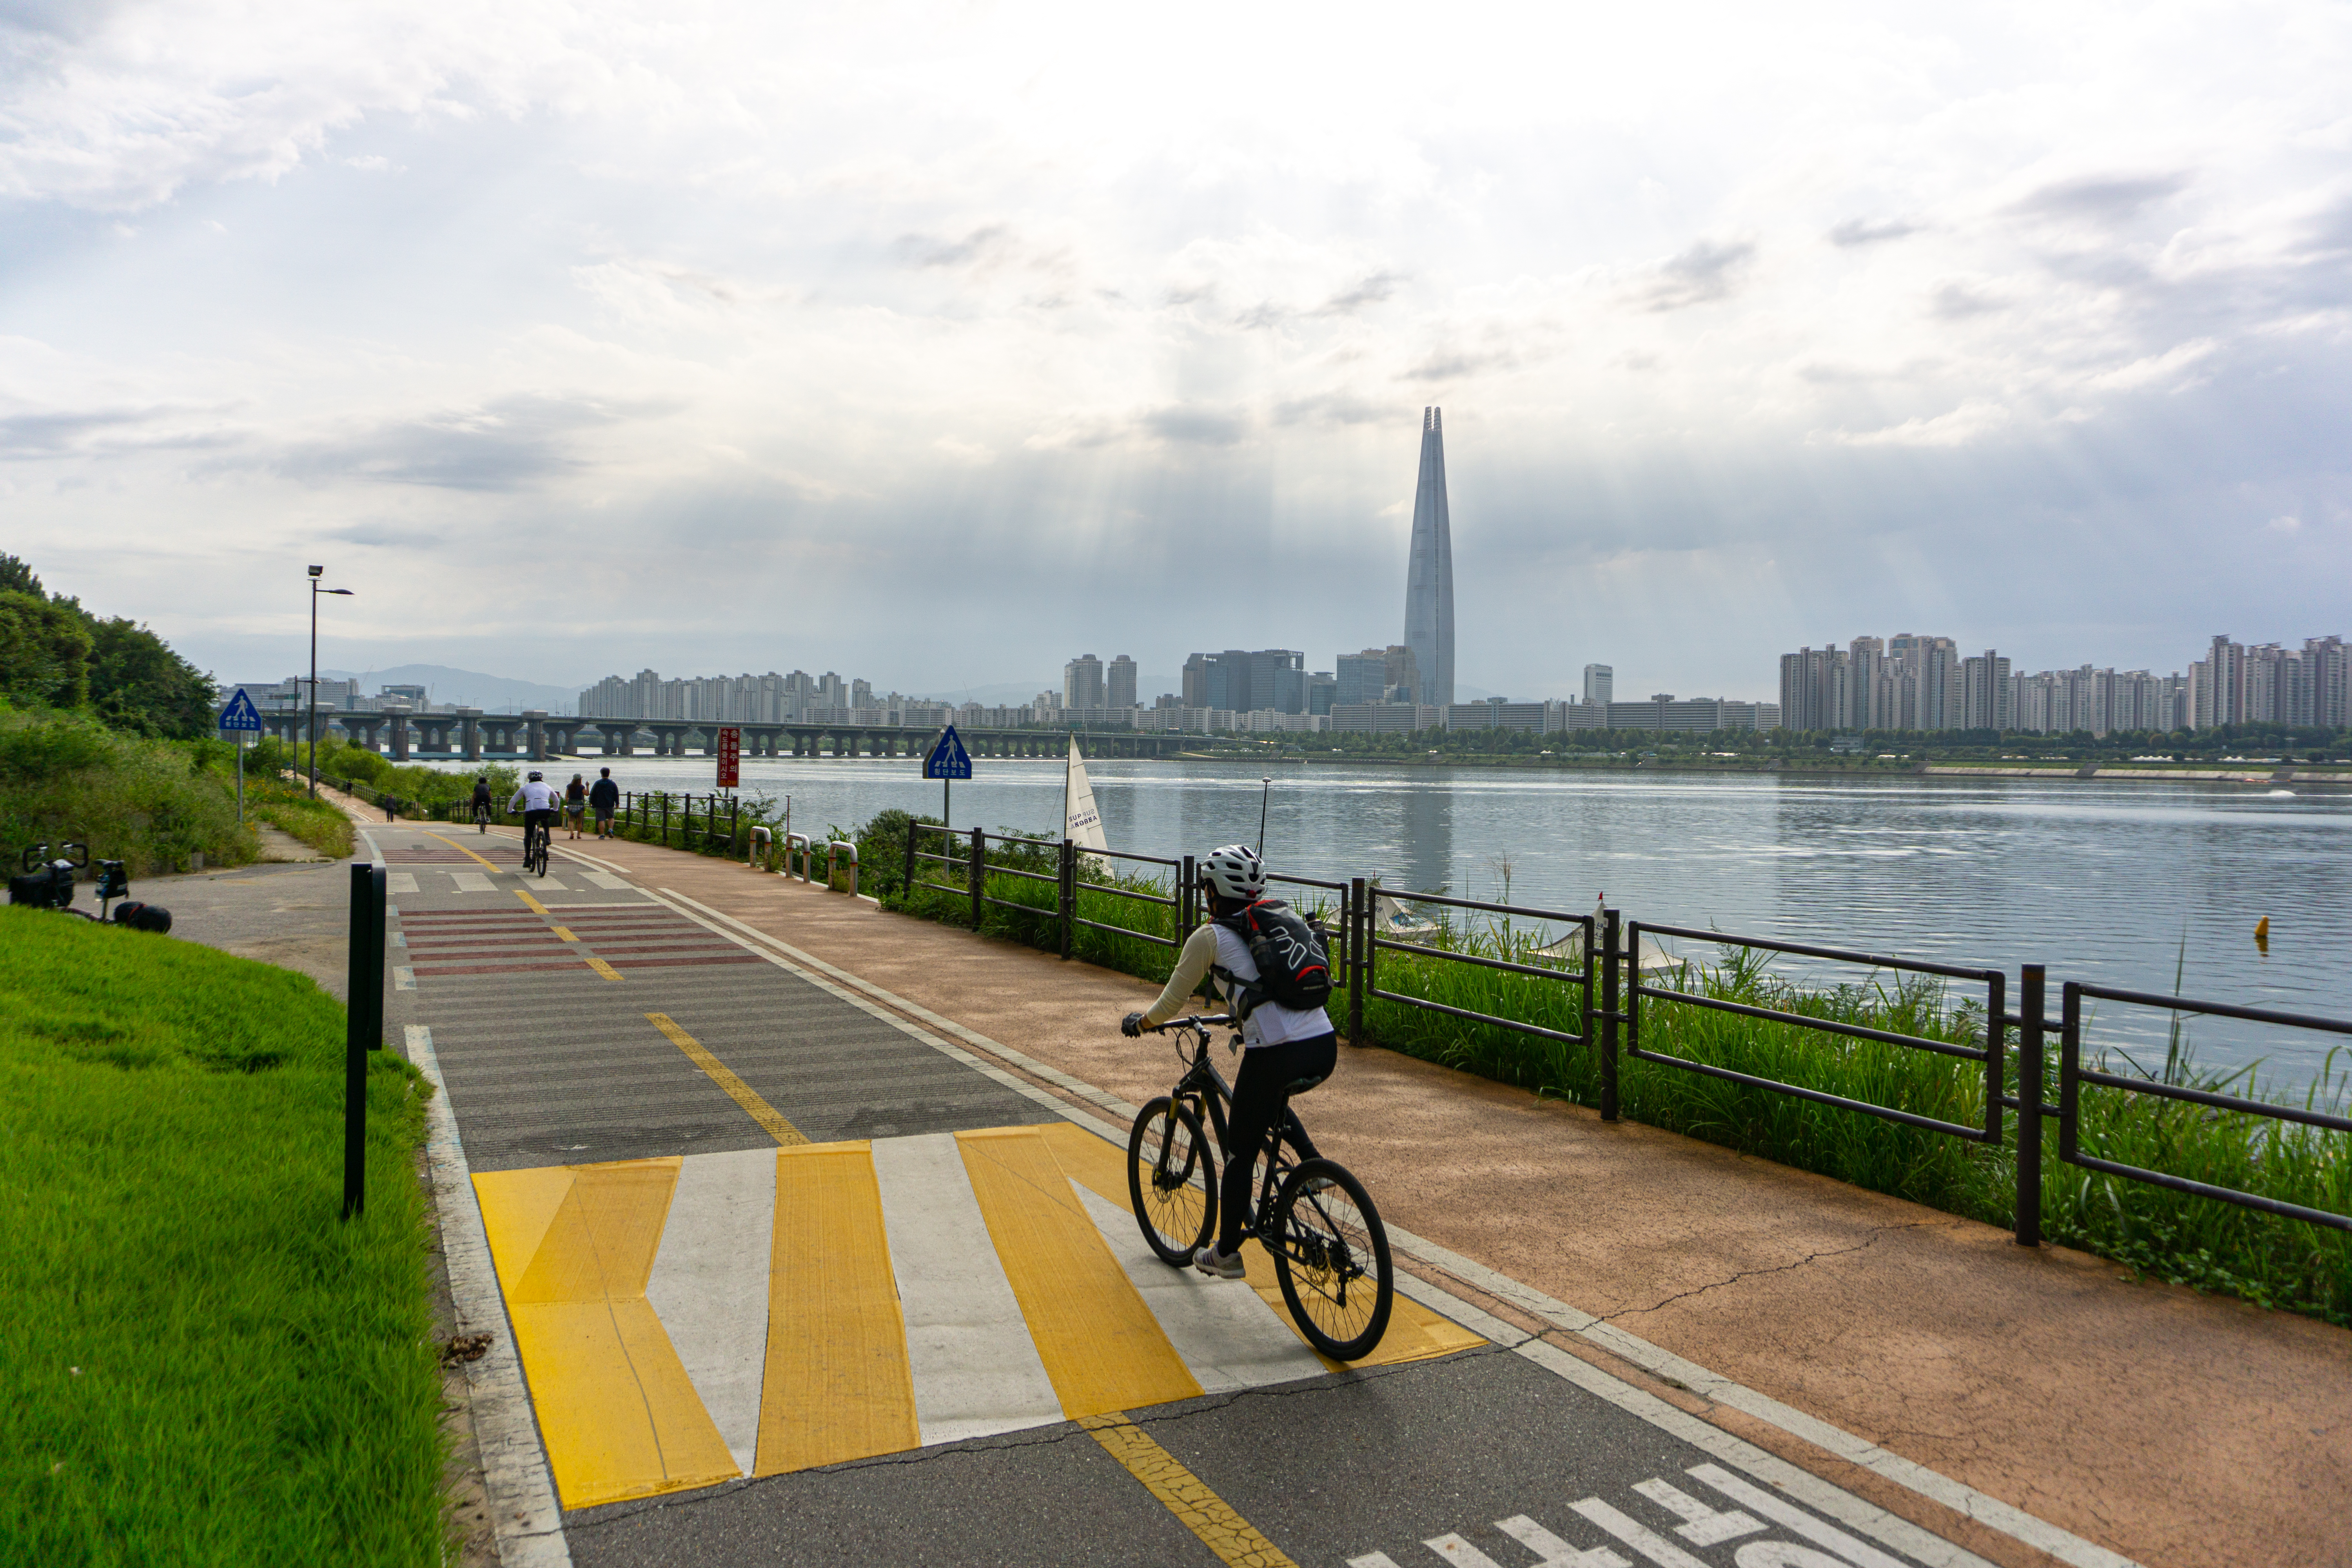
point(316, 571)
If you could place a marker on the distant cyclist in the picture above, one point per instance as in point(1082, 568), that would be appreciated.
point(1282, 1047)
point(603, 799)
point(482, 803)
point(539, 802)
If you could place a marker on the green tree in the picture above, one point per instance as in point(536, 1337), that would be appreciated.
point(44, 651)
point(138, 683)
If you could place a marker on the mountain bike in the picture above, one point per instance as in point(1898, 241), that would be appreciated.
point(1330, 1251)
point(535, 836)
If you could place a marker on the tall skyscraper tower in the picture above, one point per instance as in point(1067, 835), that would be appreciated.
point(1429, 578)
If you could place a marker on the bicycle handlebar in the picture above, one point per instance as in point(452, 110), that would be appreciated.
point(36, 855)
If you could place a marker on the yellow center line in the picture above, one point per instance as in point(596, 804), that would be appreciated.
point(741, 1093)
point(457, 846)
point(1232, 1538)
point(536, 907)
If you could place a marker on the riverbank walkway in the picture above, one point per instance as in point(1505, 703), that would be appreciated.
point(809, 1224)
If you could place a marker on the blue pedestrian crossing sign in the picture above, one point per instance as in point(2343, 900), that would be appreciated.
point(948, 759)
point(240, 713)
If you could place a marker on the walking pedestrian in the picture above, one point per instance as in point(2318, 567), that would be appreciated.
point(575, 805)
point(604, 797)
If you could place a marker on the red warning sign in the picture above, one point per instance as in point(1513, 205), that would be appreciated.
point(731, 757)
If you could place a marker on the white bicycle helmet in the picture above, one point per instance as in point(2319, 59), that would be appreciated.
point(1234, 872)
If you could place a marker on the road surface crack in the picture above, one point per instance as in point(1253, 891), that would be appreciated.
point(1810, 1257)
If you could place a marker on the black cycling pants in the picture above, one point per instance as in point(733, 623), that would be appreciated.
point(531, 819)
point(1265, 1072)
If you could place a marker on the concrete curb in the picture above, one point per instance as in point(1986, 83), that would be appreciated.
point(523, 1510)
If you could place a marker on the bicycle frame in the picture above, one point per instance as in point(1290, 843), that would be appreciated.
point(1204, 1089)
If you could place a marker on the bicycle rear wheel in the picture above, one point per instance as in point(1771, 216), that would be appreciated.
point(1171, 1179)
point(1331, 1255)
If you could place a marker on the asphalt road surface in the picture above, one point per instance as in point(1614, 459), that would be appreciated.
point(792, 1281)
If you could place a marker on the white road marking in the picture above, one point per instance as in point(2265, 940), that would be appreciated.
point(550, 885)
point(1556, 1553)
point(398, 939)
point(472, 881)
point(710, 1285)
point(1453, 1549)
point(609, 882)
point(976, 1370)
point(1228, 1336)
point(1641, 1539)
point(1796, 1520)
point(401, 882)
point(404, 978)
point(1703, 1526)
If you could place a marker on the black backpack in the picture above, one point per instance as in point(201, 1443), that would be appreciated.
point(1293, 966)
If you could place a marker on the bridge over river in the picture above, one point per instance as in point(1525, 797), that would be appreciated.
point(472, 735)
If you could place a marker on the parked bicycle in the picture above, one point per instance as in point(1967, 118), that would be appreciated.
point(1314, 1219)
point(48, 884)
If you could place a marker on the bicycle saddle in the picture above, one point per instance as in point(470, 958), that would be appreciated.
point(1300, 1086)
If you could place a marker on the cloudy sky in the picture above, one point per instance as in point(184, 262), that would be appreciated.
point(938, 343)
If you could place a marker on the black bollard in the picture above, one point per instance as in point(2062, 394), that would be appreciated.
point(364, 1025)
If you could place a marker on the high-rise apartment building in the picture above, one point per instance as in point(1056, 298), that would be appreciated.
point(1362, 677)
point(1599, 684)
point(1082, 682)
point(1271, 679)
point(1429, 574)
point(1120, 676)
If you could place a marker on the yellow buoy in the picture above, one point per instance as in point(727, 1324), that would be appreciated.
point(2262, 929)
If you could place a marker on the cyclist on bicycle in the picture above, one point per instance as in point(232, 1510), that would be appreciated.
point(482, 803)
point(538, 801)
point(1285, 1049)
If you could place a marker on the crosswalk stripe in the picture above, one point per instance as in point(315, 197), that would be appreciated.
point(976, 1370)
point(1099, 1343)
point(1229, 1339)
point(715, 1309)
point(1414, 1334)
point(836, 1384)
point(573, 1248)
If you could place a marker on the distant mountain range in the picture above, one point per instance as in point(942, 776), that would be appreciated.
point(467, 688)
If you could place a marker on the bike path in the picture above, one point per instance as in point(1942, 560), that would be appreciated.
point(791, 1282)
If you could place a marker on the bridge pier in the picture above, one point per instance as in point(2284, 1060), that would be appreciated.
point(358, 729)
point(535, 720)
point(400, 737)
point(469, 732)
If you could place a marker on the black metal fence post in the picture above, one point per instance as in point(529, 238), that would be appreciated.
point(1608, 1014)
point(1187, 900)
point(979, 877)
point(906, 889)
point(1358, 927)
point(363, 1025)
point(664, 819)
point(2029, 1106)
point(2070, 1067)
point(1069, 894)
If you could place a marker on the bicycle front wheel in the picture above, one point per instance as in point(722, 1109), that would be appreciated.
point(1331, 1255)
point(1171, 1178)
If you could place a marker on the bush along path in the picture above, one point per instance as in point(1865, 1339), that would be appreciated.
point(2175, 1238)
point(200, 1361)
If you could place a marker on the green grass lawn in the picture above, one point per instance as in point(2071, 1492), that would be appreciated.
point(200, 1363)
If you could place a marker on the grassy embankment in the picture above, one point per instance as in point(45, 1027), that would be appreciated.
point(2166, 1236)
point(200, 1362)
point(150, 803)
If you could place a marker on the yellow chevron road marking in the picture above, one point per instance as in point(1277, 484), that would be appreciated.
point(741, 1093)
point(1415, 1334)
point(1101, 1346)
point(573, 1248)
point(837, 1385)
point(1201, 1510)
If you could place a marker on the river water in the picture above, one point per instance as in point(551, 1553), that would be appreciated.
point(2118, 883)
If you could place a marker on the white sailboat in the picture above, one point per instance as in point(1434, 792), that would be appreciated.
point(1081, 823)
point(1391, 920)
point(1569, 950)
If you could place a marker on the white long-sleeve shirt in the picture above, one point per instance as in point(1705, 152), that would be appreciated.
point(534, 795)
point(1269, 1023)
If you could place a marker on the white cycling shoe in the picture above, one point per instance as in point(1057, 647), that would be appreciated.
point(1219, 1265)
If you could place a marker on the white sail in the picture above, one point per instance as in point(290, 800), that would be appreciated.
point(1081, 823)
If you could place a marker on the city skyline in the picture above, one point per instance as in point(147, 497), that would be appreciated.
point(2024, 323)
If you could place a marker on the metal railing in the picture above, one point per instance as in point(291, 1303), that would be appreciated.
point(1369, 944)
point(1989, 1054)
point(2072, 1075)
